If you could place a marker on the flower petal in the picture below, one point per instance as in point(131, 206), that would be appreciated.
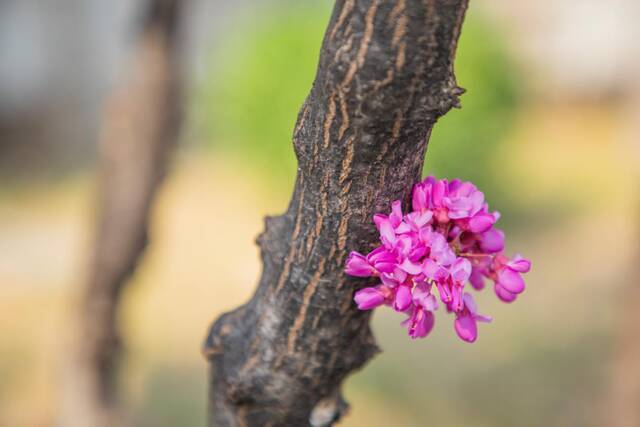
point(396, 213)
point(476, 279)
point(492, 240)
point(387, 233)
point(466, 328)
point(503, 294)
point(411, 267)
point(520, 264)
point(368, 298)
point(419, 200)
point(460, 270)
point(433, 271)
point(403, 298)
point(421, 323)
point(438, 193)
point(470, 303)
point(481, 222)
point(511, 280)
point(357, 265)
point(424, 298)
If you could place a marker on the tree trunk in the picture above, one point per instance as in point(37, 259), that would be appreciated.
point(141, 124)
point(622, 400)
point(624, 394)
point(385, 75)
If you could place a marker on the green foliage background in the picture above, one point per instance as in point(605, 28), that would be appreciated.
point(257, 82)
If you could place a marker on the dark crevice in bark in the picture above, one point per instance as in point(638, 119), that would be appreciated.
point(385, 75)
point(141, 123)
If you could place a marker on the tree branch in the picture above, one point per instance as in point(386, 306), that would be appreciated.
point(384, 77)
point(141, 125)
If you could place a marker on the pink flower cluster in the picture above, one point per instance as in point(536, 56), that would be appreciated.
point(445, 242)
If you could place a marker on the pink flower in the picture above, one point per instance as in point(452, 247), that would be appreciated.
point(379, 260)
point(370, 298)
point(441, 250)
point(509, 282)
point(414, 221)
point(435, 271)
point(519, 264)
point(460, 271)
point(394, 278)
point(387, 231)
point(503, 294)
point(476, 279)
point(420, 323)
point(424, 298)
point(402, 299)
point(481, 222)
point(466, 323)
point(357, 265)
point(382, 260)
point(421, 200)
point(408, 247)
point(396, 214)
point(447, 240)
point(421, 319)
point(463, 200)
point(492, 241)
point(388, 225)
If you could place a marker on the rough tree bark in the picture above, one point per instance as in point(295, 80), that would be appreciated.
point(141, 125)
point(385, 75)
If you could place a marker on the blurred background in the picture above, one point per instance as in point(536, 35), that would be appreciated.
point(549, 129)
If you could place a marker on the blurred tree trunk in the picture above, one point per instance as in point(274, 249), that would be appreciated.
point(385, 75)
point(141, 124)
point(623, 397)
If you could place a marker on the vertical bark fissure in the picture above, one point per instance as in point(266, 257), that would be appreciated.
point(385, 75)
point(141, 124)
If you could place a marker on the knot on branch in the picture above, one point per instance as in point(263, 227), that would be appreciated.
point(270, 240)
point(448, 97)
point(214, 343)
point(453, 92)
point(329, 410)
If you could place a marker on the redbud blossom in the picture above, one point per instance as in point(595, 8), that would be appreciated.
point(432, 252)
